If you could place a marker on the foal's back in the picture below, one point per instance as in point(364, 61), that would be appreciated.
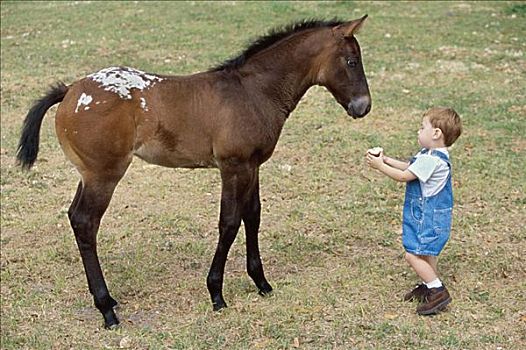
point(186, 121)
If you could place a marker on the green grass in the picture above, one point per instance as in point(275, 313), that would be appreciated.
point(330, 233)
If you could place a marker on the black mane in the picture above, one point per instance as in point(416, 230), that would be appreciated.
point(271, 38)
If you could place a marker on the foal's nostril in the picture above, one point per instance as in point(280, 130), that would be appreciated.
point(359, 107)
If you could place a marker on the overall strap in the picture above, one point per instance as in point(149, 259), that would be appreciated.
point(445, 158)
point(442, 156)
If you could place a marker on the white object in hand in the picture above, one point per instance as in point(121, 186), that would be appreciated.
point(375, 151)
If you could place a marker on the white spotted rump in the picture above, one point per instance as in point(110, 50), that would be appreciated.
point(144, 106)
point(121, 80)
point(84, 100)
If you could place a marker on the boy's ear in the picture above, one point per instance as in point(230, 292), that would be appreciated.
point(437, 133)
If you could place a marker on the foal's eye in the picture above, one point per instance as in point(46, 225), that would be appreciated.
point(352, 62)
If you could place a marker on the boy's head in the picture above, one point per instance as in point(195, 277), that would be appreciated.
point(447, 120)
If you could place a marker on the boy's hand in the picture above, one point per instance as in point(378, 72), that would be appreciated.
point(375, 162)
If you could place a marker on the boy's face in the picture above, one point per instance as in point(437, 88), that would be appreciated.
point(427, 135)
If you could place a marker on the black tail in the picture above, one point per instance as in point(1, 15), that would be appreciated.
point(30, 137)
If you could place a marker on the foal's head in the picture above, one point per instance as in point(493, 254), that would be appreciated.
point(342, 71)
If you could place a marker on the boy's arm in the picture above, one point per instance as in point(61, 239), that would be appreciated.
point(391, 171)
point(397, 174)
point(396, 163)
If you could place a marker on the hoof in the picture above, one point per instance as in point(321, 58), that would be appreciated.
point(111, 327)
point(219, 306)
point(266, 290)
point(110, 320)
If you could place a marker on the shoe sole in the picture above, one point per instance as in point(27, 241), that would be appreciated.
point(436, 309)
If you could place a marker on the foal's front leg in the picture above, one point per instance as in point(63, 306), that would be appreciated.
point(236, 180)
point(251, 218)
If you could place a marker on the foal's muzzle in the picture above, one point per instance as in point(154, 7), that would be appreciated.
point(359, 107)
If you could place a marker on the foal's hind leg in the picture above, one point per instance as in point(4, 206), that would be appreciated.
point(71, 210)
point(251, 217)
point(91, 201)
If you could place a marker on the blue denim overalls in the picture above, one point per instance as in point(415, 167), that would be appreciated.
point(427, 220)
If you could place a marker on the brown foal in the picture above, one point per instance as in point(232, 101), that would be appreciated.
point(229, 117)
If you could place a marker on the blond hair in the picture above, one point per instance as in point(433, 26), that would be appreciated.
point(447, 120)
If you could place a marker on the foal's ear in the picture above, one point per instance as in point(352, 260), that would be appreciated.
point(350, 28)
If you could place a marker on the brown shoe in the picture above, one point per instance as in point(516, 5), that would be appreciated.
point(418, 293)
point(435, 300)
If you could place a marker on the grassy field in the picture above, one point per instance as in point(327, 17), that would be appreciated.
point(330, 233)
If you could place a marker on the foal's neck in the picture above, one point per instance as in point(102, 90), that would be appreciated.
point(284, 72)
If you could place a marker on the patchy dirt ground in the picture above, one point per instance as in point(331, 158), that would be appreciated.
point(330, 232)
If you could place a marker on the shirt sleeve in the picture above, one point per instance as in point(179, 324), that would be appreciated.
point(423, 167)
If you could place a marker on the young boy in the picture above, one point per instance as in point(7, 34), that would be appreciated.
point(428, 203)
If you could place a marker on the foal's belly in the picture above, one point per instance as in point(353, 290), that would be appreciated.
point(154, 153)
